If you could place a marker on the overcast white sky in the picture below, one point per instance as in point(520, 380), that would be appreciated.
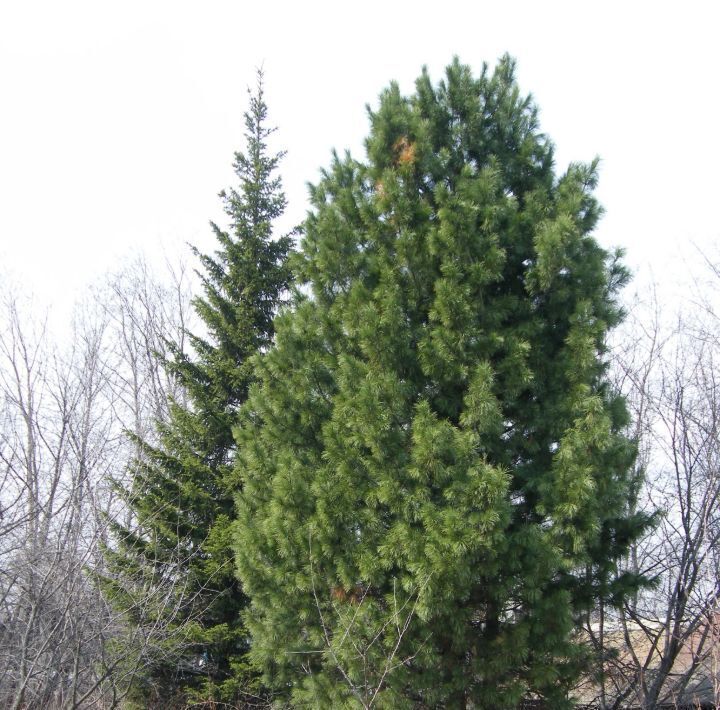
point(118, 120)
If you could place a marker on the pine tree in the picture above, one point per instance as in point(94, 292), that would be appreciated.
point(181, 498)
point(433, 467)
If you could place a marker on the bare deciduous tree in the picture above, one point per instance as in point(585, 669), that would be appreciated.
point(658, 650)
point(64, 414)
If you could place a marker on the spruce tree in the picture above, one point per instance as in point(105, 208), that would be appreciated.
point(181, 500)
point(432, 467)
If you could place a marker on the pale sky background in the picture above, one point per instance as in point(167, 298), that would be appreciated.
point(118, 120)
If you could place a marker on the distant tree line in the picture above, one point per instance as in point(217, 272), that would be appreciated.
point(414, 454)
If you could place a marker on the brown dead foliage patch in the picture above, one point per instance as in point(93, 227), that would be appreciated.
point(404, 151)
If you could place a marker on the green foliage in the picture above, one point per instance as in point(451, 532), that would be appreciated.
point(432, 461)
point(181, 497)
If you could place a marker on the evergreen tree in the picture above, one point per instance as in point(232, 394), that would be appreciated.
point(181, 498)
point(432, 466)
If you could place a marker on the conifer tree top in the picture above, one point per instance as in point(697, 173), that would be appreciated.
point(433, 430)
point(182, 496)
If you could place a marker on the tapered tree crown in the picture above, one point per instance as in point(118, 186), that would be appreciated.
point(182, 499)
